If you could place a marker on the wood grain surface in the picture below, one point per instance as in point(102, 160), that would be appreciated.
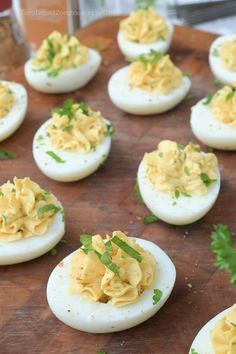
point(105, 202)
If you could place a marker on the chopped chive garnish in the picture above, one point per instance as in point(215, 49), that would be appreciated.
point(106, 260)
point(5, 155)
point(55, 156)
point(108, 246)
point(206, 179)
point(47, 208)
point(181, 146)
point(208, 99)
point(126, 248)
point(68, 128)
point(157, 294)
point(193, 351)
point(63, 214)
point(233, 324)
point(54, 72)
point(86, 241)
point(149, 219)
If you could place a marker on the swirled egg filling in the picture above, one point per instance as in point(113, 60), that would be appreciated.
point(223, 335)
point(59, 52)
point(180, 170)
point(115, 270)
point(6, 100)
point(228, 54)
point(154, 72)
point(144, 26)
point(26, 210)
point(75, 127)
point(223, 105)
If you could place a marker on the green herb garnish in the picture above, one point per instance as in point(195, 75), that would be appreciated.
point(55, 156)
point(5, 155)
point(230, 95)
point(208, 99)
point(100, 47)
point(222, 247)
point(84, 108)
point(145, 4)
point(137, 192)
point(54, 72)
point(149, 219)
point(181, 146)
point(63, 214)
point(193, 351)
point(218, 83)
point(47, 208)
point(108, 246)
point(86, 241)
point(1, 194)
point(106, 260)
point(152, 57)
point(127, 248)
point(215, 52)
point(233, 324)
point(206, 179)
point(53, 251)
point(66, 110)
point(157, 294)
point(68, 128)
point(110, 131)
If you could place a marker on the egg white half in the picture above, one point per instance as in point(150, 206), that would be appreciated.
point(76, 166)
point(95, 317)
point(67, 80)
point(181, 211)
point(33, 247)
point(219, 71)
point(132, 50)
point(134, 100)
point(210, 130)
point(14, 118)
point(202, 342)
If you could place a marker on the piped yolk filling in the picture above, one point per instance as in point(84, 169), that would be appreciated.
point(110, 275)
point(75, 127)
point(179, 170)
point(25, 210)
point(155, 73)
point(223, 106)
point(144, 26)
point(7, 100)
point(223, 335)
point(60, 52)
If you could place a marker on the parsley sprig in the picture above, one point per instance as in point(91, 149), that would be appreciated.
point(5, 155)
point(222, 247)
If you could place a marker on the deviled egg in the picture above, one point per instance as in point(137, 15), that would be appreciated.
point(213, 119)
point(222, 59)
point(31, 221)
point(61, 64)
point(179, 184)
point(13, 106)
point(151, 84)
point(110, 285)
point(72, 144)
point(218, 336)
point(143, 30)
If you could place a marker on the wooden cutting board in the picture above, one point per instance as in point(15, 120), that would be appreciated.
point(105, 202)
